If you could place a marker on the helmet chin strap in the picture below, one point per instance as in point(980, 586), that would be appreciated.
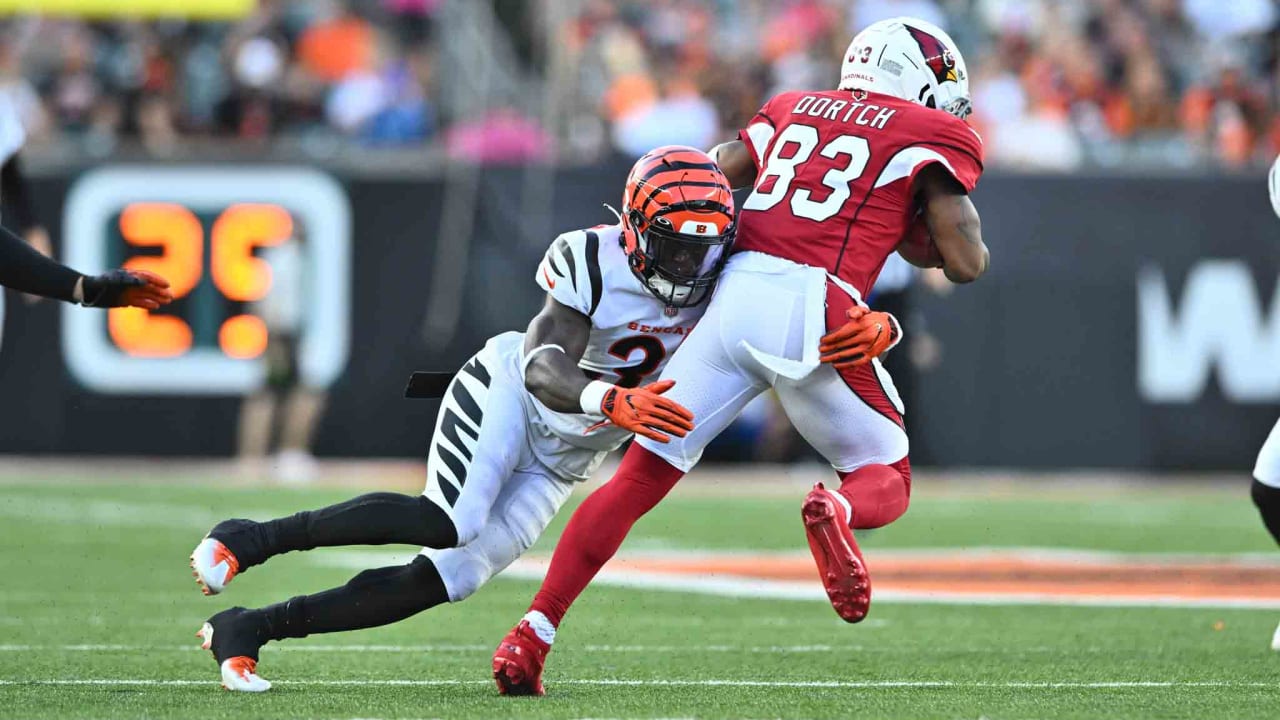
point(613, 210)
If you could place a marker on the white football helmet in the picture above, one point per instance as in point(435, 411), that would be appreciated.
point(909, 59)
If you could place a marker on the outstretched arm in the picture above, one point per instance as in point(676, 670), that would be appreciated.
point(554, 344)
point(23, 268)
point(953, 223)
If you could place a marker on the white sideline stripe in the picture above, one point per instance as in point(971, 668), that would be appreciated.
point(837, 684)
point(756, 649)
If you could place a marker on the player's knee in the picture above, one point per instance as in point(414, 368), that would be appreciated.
point(467, 526)
point(464, 573)
point(877, 494)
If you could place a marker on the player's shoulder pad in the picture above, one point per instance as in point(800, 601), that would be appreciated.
point(570, 270)
point(957, 145)
point(928, 126)
point(959, 134)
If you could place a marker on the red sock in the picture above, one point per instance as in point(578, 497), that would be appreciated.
point(599, 525)
point(878, 493)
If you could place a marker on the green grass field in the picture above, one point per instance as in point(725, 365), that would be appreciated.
point(98, 614)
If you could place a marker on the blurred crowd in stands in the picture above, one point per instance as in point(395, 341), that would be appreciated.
point(1057, 84)
point(291, 68)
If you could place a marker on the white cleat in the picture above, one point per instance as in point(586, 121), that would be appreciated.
point(1275, 639)
point(213, 566)
point(238, 673)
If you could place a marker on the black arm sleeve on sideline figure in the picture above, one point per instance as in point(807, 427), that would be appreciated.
point(25, 270)
point(14, 192)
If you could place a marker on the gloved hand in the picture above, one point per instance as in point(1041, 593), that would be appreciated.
point(645, 412)
point(866, 335)
point(126, 288)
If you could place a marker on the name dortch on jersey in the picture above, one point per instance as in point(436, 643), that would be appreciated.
point(632, 332)
point(834, 176)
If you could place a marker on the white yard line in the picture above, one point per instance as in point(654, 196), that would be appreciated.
point(833, 684)
point(446, 648)
point(290, 648)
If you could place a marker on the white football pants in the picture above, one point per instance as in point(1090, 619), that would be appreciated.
point(762, 330)
point(482, 471)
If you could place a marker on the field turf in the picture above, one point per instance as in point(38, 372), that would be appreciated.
point(98, 614)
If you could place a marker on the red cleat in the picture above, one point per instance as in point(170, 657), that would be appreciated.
point(517, 663)
point(840, 564)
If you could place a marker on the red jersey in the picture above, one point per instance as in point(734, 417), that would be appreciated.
point(834, 176)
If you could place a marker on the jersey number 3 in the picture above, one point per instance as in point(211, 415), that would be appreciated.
point(782, 171)
point(652, 350)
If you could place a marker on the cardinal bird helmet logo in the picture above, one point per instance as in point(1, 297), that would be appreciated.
point(936, 55)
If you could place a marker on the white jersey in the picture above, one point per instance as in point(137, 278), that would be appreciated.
point(12, 133)
point(632, 332)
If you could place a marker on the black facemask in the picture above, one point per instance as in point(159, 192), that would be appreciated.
point(681, 269)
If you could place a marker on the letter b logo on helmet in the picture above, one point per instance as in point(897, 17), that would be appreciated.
point(677, 223)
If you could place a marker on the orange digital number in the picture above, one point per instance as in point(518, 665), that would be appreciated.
point(236, 273)
point(177, 232)
point(237, 231)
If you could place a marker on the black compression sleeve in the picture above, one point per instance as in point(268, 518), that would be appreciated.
point(13, 190)
point(371, 599)
point(380, 518)
point(24, 269)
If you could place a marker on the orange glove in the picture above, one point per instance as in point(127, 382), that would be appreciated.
point(865, 336)
point(645, 412)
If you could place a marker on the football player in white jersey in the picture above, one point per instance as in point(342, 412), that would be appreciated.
point(524, 419)
point(1266, 473)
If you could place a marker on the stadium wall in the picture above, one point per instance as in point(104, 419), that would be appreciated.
point(1126, 322)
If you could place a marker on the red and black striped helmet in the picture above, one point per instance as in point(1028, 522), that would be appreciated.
point(677, 223)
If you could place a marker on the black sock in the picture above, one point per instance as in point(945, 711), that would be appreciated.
point(1267, 499)
point(372, 598)
point(375, 519)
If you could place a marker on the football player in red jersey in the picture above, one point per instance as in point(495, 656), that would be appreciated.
point(841, 179)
